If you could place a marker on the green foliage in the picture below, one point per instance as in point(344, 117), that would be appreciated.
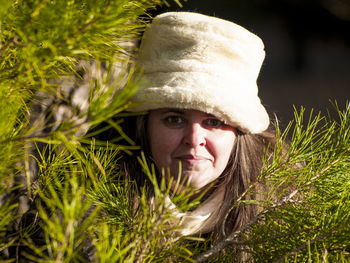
point(43, 46)
point(316, 223)
point(63, 197)
point(305, 216)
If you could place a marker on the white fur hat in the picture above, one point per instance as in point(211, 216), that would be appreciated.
point(193, 61)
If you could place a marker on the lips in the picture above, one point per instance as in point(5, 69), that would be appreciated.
point(192, 159)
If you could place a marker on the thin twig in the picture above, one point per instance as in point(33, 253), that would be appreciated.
point(318, 238)
point(150, 235)
point(232, 237)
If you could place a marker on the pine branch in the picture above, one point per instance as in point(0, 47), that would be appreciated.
point(325, 168)
point(303, 246)
point(232, 238)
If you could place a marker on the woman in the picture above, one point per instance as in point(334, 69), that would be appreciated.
point(205, 124)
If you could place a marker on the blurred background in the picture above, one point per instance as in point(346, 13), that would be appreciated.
point(307, 46)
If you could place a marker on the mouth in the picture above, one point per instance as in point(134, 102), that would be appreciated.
point(192, 159)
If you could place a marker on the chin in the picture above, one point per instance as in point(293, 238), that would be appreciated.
point(197, 184)
point(193, 179)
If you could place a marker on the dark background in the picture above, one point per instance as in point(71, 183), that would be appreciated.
point(307, 49)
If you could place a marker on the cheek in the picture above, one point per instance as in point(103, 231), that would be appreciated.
point(163, 142)
point(222, 147)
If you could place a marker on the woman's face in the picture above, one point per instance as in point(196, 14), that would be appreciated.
point(199, 141)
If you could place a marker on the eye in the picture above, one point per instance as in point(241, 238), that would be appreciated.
point(174, 120)
point(213, 123)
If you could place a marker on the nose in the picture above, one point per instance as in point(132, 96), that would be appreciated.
point(194, 135)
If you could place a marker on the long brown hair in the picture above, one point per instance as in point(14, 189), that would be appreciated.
point(241, 172)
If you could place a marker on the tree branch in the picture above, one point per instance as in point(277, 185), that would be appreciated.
point(232, 237)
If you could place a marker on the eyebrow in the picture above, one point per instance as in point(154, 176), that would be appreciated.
point(180, 111)
point(164, 111)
